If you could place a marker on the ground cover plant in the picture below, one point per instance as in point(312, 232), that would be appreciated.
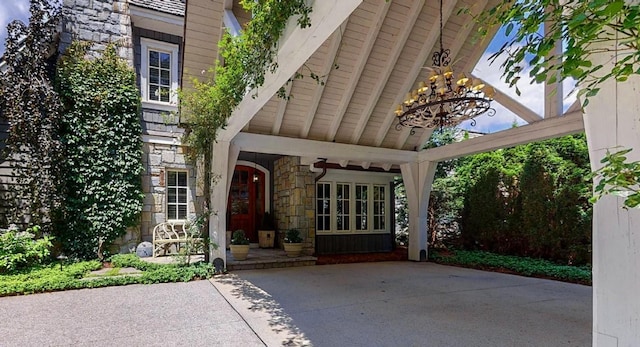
point(513, 264)
point(54, 277)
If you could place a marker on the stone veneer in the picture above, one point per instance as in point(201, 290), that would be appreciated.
point(157, 159)
point(98, 21)
point(109, 21)
point(294, 200)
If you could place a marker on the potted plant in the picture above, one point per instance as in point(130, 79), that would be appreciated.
point(239, 245)
point(293, 243)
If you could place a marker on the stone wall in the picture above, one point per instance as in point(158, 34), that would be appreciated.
point(294, 200)
point(98, 21)
point(157, 159)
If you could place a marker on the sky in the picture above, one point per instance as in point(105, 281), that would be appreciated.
point(10, 10)
point(531, 96)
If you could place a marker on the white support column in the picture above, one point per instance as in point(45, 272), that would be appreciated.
point(224, 158)
point(418, 178)
point(612, 122)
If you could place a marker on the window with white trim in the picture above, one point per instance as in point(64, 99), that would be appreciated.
point(323, 206)
point(379, 207)
point(362, 206)
point(177, 195)
point(158, 74)
point(353, 203)
point(342, 206)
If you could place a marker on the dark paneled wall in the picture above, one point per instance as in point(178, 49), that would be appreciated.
point(357, 243)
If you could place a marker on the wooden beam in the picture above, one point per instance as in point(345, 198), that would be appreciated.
point(383, 77)
point(296, 46)
point(326, 70)
point(553, 92)
point(418, 64)
point(542, 130)
point(282, 107)
point(369, 41)
point(514, 106)
point(319, 149)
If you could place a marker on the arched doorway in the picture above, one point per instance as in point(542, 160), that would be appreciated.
point(246, 200)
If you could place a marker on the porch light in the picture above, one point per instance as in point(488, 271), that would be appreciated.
point(445, 99)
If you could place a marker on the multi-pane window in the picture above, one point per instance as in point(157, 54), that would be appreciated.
point(357, 206)
point(177, 188)
point(361, 206)
point(323, 206)
point(379, 207)
point(342, 206)
point(159, 75)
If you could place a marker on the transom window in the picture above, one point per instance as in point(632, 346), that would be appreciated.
point(158, 74)
point(177, 190)
point(359, 205)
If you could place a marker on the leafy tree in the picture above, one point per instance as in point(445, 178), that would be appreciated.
point(32, 108)
point(103, 159)
point(574, 25)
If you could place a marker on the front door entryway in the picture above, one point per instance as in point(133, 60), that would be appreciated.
point(246, 200)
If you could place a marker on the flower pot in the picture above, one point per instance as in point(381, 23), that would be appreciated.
point(239, 252)
point(293, 249)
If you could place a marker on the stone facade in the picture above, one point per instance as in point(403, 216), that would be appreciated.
point(294, 199)
point(98, 21)
point(110, 21)
point(157, 159)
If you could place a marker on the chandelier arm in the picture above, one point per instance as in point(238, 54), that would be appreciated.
point(444, 100)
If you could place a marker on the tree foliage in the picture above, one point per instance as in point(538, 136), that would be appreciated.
point(580, 25)
point(246, 58)
point(530, 200)
point(101, 133)
point(32, 107)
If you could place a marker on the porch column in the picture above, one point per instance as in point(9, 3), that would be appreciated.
point(224, 157)
point(612, 122)
point(418, 178)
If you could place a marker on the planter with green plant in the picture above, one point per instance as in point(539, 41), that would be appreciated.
point(239, 245)
point(293, 243)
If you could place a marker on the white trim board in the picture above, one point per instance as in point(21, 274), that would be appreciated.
point(320, 149)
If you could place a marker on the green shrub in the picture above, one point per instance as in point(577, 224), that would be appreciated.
point(239, 238)
point(292, 236)
point(20, 249)
point(52, 277)
point(520, 265)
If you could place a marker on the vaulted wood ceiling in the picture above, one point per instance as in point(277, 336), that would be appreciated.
point(367, 65)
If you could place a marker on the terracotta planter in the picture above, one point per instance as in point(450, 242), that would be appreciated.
point(293, 249)
point(239, 252)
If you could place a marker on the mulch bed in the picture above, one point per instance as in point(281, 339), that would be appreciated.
point(398, 254)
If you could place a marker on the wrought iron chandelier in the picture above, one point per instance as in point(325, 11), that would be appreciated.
point(444, 100)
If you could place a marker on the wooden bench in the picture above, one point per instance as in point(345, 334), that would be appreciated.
point(170, 233)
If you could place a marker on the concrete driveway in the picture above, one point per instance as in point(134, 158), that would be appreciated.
point(408, 304)
point(369, 304)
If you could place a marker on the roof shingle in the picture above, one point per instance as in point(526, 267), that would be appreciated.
point(175, 7)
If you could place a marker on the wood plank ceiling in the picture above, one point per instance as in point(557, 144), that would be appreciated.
point(367, 66)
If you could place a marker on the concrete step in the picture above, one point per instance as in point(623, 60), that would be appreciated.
point(259, 258)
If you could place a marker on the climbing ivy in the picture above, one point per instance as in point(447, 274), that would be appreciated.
point(32, 108)
point(246, 58)
point(101, 133)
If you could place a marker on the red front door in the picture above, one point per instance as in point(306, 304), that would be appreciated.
point(246, 201)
